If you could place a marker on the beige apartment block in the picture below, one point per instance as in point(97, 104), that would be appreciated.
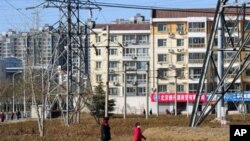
point(178, 45)
point(128, 46)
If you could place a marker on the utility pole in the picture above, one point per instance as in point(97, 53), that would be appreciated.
point(147, 92)
point(175, 99)
point(107, 83)
point(157, 93)
point(125, 90)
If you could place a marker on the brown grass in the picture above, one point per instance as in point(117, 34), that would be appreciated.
point(163, 128)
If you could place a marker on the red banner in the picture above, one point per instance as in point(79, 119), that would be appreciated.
point(180, 97)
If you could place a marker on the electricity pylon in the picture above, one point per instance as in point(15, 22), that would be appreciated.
point(230, 24)
point(68, 83)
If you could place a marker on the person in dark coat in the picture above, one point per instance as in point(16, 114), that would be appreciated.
point(137, 132)
point(105, 130)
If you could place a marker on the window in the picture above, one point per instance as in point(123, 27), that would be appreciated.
point(143, 39)
point(247, 88)
point(162, 88)
point(98, 52)
point(98, 78)
point(195, 73)
point(141, 78)
point(162, 57)
point(98, 64)
point(113, 64)
point(163, 73)
point(162, 42)
point(142, 65)
point(180, 42)
point(196, 42)
point(180, 58)
point(113, 91)
point(196, 27)
point(179, 72)
point(141, 91)
point(196, 57)
point(130, 52)
point(130, 91)
point(193, 87)
point(162, 27)
point(180, 88)
point(113, 51)
point(142, 52)
point(98, 38)
point(180, 27)
point(113, 38)
point(130, 65)
point(113, 77)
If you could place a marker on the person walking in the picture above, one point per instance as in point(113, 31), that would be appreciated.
point(137, 132)
point(105, 130)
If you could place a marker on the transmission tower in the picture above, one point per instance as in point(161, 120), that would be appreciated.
point(229, 27)
point(68, 72)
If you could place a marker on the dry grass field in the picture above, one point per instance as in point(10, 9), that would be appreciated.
point(163, 128)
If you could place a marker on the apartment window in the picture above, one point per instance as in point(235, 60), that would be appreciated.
point(113, 64)
point(180, 42)
point(196, 57)
point(98, 78)
point(131, 91)
point(141, 91)
point(113, 91)
point(98, 64)
point(98, 52)
point(195, 72)
point(162, 88)
point(142, 65)
point(162, 27)
point(113, 51)
point(143, 39)
point(113, 77)
point(97, 38)
point(180, 27)
point(179, 72)
point(196, 42)
point(130, 52)
point(180, 58)
point(142, 52)
point(196, 26)
point(113, 38)
point(131, 65)
point(141, 78)
point(162, 57)
point(193, 87)
point(162, 42)
point(180, 88)
point(163, 73)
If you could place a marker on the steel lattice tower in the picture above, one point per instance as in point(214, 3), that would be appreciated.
point(229, 25)
point(68, 84)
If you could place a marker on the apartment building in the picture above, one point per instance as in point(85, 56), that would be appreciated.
point(179, 40)
point(128, 62)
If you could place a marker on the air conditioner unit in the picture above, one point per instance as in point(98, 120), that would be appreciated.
point(171, 66)
point(115, 83)
point(181, 32)
point(170, 50)
point(180, 50)
point(171, 35)
point(134, 83)
point(185, 65)
point(134, 57)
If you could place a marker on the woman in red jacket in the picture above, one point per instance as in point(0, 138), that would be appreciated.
point(137, 132)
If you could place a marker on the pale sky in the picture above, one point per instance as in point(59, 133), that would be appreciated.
point(13, 13)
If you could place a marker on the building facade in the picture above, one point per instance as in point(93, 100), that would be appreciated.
point(128, 63)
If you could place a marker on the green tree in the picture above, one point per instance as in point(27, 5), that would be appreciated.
point(98, 103)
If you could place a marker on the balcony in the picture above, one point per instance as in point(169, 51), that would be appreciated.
point(196, 29)
point(198, 45)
